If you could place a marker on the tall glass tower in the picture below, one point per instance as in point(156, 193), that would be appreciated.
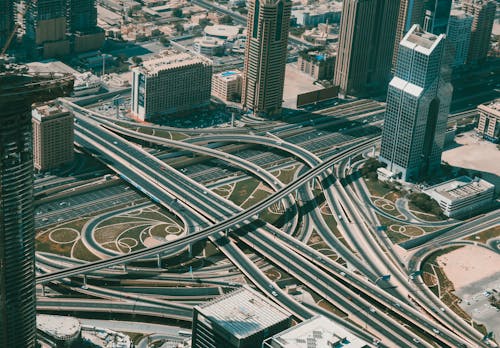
point(366, 43)
point(17, 287)
point(17, 235)
point(418, 102)
point(6, 20)
point(268, 22)
point(436, 16)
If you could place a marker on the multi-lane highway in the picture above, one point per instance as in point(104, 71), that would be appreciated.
point(197, 204)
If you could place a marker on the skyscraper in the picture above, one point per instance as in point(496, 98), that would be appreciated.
point(436, 16)
point(483, 12)
point(45, 22)
point(458, 36)
point(410, 12)
point(418, 102)
point(82, 25)
point(6, 20)
point(366, 39)
point(265, 55)
point(17, 235)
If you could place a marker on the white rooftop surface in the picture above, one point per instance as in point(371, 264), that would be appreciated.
point(155, 65)
point(57, 326)
point(47, 110)
point(244, 312)
point(318, 332)
point(420, 40)
point(50, 66)
point(407, 87)
point(492, 108)
point(461, 188)
point(222, 30)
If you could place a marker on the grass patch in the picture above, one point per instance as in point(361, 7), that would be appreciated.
point(377, 188)
point(286, 175)
point(396, 237)
point(82, 253)
point(110, 233)
point(257, 196)
point(485, 235)
point(43, 243)
point(243, 190)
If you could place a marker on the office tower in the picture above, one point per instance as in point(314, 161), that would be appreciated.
point(45, 22)
point(17, 252)
point(418, 102)
point(489, 121)
point(483, 12)
point(265, 55)
point(241, 319)
point(17, 235)
point(82, 25)
point(6, 20)
point(410, 12)
point(366, 39)
point(436, 16)
point(173, 83)
point(53, 136)
point(458, 36)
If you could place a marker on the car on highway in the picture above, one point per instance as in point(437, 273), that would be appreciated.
point(274, 293)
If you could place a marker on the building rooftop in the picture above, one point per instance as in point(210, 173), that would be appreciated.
point(317, 332)
point(57, 326)
point(243, 312)
point(461, 188)
point(457, 13)
point(492, 108)
point(171, 61)
point(222, 31)
point(48, 110)
point(228, 75)
point(420, 40)
point(407, 87)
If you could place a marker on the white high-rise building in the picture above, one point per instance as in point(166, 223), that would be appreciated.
point(458, 36)
point(418, 102)
point(170, 84)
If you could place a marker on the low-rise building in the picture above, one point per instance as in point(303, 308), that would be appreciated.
point(53, 136)
point(462, 196)
point(171, 83)
point(316, 332)
point(319, 65)
point(209, 46)
point(221, 31)
point(243, 318)
point(226, 85)
point(311, 16)
point(489, 121)
point(62, 330)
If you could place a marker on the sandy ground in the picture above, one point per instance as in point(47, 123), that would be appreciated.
point(475, 273)
point(296, 82)
point(469, 265)
point(476, 154)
